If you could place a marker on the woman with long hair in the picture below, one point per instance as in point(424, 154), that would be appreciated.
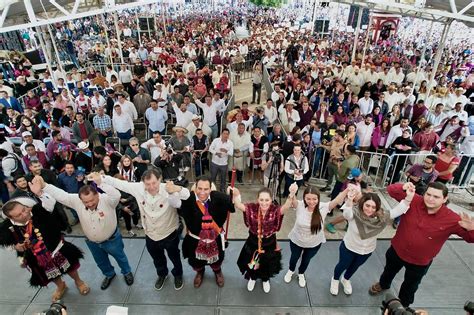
point(28, 124)
point(128, 207)
point(380, 135)
point(126, 169)
point(307, 234)
point(107, 167)
point(260, 258)
point(366, 221)
point(395, 115)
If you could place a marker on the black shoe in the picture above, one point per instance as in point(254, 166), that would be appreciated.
point(129, 278)
point(68, 229)
point(106, 282)
point(325, 188)
point(178, 283)
point(160, 282)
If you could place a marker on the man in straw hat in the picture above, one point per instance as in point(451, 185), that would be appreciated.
point(36, 236)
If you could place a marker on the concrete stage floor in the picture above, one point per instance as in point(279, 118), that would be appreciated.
point(448, 284)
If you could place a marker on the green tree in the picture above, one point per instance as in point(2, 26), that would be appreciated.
point(267, 3)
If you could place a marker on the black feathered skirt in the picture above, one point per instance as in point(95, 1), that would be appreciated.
point(269, 263)
point(38, 276)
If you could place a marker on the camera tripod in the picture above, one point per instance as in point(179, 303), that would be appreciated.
point(274, 180)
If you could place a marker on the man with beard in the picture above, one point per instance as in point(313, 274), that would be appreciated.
point(36, 236)
point(423, 174)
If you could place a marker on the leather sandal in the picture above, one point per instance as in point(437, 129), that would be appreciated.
point(59, 293)
point(82, 287)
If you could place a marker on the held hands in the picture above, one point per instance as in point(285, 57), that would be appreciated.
point(408, 186)
point(37, 185)
point(466, 222)
point(95, 177)
point(293, 190)
point(171, 188)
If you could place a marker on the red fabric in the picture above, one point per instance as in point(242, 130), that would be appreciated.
point(271, 222)
point(83, 131)
point(420, 235)
point(442, 166)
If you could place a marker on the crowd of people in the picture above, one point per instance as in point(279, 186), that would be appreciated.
point(73, 144)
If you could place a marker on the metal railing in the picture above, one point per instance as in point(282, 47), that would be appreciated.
point(381, 169)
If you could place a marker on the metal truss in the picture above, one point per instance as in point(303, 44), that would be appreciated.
point(437, 10)
point(24, 14)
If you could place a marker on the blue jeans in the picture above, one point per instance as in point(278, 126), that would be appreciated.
point(348, 261)
point(308, 254)
point(215, 130)
point(114, 247)
point(157, 252)
point(317, 158)
point(125, 135)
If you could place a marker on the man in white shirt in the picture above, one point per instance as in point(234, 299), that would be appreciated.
point(183, 115)
point(458, 111)
point(438, 116)
point(198, 124)
point(366, 104)
point(289, 117)
point(97, 101)
point(221, 149)
point(396, 131)
point(276, 93)
point(397, 75)
point(210, 110)
point(125, 76)
point(356, 79)
point(406, 96)
point(371, 75)
point(242, 146)
point(160, 95)
point(364, 131)
point(391, 97)
point(127, 106)
point(98, 220)
point(155, 145)
point(157, 203)
point(28, 139)
point(458, 97)
point(109, 73)
point(270, 112)
point(156, 118)
point(122, 123)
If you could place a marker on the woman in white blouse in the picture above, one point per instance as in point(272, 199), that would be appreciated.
point(307, 234)
point(366, 220)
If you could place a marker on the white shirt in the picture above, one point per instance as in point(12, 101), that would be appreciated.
point(109, 74)
point(163, 94)
point(128, 108)
point(39, 146)
point(458, 99)
point(125, 76)
point(158, 213)
point(97, 102)
point(290, 171)
point(462, 115)
point(394, 133)
point(391, 99)
point(99, 224)
point(155, 149)
point(210, 112)
point(301, 233)
point(364, 133)
point(271, 113)
point(436, 119)
point(216, 147)
point(352, 239)
point(122, 123)
point(182, 119)
point(366, 106)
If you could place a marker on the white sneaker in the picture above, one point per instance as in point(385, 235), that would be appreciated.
point(347, 286)
point(251, 285)
point(301, 280)
point(139, 226)
point(288, 276)
point(334, 287)
point(131, 233)
point(266, 286)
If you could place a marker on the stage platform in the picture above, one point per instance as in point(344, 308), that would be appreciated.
point(449, 283)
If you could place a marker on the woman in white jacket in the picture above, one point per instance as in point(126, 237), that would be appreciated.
point(366, 220)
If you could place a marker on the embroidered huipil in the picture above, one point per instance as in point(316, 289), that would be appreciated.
point(271, 221)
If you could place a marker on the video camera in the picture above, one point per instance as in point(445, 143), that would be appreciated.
point(394, 306)
point(55, 309)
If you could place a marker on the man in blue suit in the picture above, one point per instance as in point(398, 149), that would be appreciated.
point(10, 101)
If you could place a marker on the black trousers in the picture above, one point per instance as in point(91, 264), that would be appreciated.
point(157, 252)
point(411, 281)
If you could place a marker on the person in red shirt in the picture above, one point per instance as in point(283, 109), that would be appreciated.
point(422, 232)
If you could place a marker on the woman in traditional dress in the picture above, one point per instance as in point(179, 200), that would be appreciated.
point(260, 257)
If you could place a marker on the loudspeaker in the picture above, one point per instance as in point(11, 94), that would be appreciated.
point(144, 24)
point(33, 56)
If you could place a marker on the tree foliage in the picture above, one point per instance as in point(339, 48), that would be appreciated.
point(267, 3)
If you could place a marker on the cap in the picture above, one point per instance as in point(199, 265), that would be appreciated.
point(355, 172)
point(26, 134)
point(195, 117)
point(83, 145)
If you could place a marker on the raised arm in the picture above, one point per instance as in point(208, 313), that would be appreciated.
point(339, 199)
point(133, 189)
point(291, 200)
point(176, 194)
point(236, 198)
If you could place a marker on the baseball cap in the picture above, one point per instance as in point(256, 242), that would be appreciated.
point(355, 172)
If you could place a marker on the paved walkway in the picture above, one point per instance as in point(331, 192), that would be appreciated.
point(449, 283)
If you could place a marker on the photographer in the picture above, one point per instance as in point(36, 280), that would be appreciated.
point(274, 157)
point(296, 165)
point(169, 163)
